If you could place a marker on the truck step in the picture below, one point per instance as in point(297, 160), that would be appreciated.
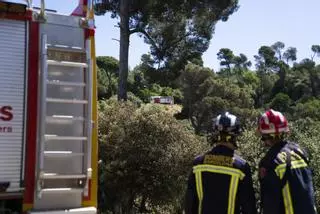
point(65, 48)
point(66, 101)
point(59, 176)
point(67, 64)
point(63, 119)
point(61, 190)
point(65, 83)
point(57, 137)
point(62, 154)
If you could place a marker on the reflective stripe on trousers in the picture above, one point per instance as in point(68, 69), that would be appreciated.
point(235, 174)
point(280, 171)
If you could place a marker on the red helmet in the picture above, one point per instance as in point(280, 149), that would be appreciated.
point(272, 122)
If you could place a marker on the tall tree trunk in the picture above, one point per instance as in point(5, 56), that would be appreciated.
point(124, 49)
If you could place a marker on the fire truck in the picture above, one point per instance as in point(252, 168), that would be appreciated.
point(48, 113)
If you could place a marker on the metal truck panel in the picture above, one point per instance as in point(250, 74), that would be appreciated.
point(12, 101)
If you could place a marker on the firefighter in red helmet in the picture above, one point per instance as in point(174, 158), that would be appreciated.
point(284, 175)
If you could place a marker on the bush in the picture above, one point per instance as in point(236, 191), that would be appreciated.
point(146, 155)
point(251, 149)
point(306, 132)
point(281, 102)
point(308, 109)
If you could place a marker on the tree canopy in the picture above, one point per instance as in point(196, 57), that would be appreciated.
point(177, 31)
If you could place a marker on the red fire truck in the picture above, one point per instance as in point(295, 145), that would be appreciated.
point(48, 114)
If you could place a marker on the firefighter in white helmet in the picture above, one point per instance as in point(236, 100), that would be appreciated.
point(220, 181)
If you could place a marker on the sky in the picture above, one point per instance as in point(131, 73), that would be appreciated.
point(256, 23)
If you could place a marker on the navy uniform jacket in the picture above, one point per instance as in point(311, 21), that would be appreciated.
point(220, 183)
point(286, 181)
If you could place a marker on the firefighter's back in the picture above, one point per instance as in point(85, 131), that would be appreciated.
point(221, 181)
point(221, 173)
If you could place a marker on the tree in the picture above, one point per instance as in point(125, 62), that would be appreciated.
point(265, 59)
point(206, 96)
point(108, 72)
point(226, 57)
point(197, 19)
point(309, 67)
point(189, 81)
point(277, 47)
point(298, 84)
point(241, 63)
point(146, 156)
point(280, 66)
point(279, 86)
point(316, 51)
point(290, 55)
point(265, 64)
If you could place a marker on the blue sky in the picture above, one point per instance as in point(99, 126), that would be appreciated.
point(256, 23)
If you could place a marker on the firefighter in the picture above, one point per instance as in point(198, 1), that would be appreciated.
point(284, 175)
point(220, 181)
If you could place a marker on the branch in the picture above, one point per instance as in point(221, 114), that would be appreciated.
point(140, 30)
point(312, 56)
point(116, 39)
point(172, 44)
point(133, 11)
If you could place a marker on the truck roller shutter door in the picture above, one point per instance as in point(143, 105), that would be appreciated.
point(12, 103)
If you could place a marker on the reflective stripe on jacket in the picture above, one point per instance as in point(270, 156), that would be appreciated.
point(220, 183)
point(286, 181)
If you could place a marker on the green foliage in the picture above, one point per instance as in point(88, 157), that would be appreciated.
point(182, 34)
point(252, 150)
point(108, 69)
point(225, 55)
point(290, 54)
point(309, 109)
point(206, 96)
point(249, 79)
point(307, 133)
point(277, 47)
point(146, 156)
point(265, 59)
point(234, 64)
point(298, 85)
point(241, 63)
point(309, 68)
point(263, 93)
point(134, 99)
point(316, 51)
point(281, 102)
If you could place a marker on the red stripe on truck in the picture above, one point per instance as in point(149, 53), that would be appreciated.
point(88, 198)
point(32, 113)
